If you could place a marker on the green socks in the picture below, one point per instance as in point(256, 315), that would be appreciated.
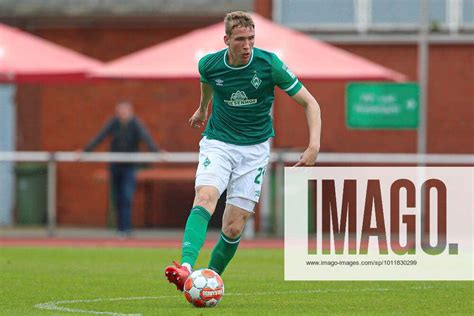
point(194, 234)
point(223, 253)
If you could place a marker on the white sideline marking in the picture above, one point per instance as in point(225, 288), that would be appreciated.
point(54, 306)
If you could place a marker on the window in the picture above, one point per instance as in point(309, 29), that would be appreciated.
point(437, 11)
point(366, 15)
point(406, 12)
point(317, 12)
point(395, 12)
point(468, 13)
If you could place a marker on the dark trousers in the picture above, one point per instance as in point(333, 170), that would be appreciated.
point(123, 184)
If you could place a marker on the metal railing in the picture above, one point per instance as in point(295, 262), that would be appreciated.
point(278, 160)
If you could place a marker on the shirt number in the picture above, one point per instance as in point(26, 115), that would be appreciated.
point(261, 173)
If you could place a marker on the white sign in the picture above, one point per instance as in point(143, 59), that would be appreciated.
point(375, 223)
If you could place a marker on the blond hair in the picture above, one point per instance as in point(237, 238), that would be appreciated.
point(237, 19)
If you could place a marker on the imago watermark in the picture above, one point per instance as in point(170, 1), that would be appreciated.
point(379, 223)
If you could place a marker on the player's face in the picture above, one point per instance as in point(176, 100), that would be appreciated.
point(240, 44)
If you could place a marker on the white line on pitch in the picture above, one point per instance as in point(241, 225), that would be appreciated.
point(54, 306)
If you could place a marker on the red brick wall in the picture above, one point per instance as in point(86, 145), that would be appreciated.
point(76, 113)
point(336, 137)
point(79, 111)
point(450, 105)
point(263, 7)
point(62, 117)
point(110, 43)
point(28, 100)
point(451, 112)
point(291, 130)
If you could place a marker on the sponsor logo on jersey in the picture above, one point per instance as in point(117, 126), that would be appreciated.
point(219, 82)
point(239, 98)
point(256, 81)
point(285, 68)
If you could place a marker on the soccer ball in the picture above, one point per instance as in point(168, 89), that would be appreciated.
point(204, 288)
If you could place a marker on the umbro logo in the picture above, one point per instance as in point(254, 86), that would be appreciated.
point(219, 82)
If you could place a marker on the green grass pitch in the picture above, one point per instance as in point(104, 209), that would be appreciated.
point(118, 281)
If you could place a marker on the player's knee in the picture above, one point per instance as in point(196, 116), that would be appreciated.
point(206, 200)
point(232, 230)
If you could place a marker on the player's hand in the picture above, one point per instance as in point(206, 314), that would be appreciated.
point(198, 119)
point(308, 158)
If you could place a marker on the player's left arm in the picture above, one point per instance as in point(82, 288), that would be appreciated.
point(313, 116)
point(284, 78)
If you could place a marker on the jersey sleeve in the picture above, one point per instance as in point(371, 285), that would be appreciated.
point(202, 69)
point(283, 77)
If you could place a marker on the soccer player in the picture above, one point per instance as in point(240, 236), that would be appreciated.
point(235, 147)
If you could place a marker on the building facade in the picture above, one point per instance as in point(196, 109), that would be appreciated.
point(107, 30)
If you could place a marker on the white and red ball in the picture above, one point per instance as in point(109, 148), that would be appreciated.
point(204, 288)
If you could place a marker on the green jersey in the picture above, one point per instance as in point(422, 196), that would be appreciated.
point(243, 96)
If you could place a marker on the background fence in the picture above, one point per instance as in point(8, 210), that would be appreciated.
point(269, 215)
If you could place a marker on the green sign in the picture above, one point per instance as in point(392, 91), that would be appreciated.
point(382, 105)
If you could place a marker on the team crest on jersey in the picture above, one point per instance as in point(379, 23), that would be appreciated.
point(219, 82)
point(239, 98)
point(256, 81)
point(206, 162)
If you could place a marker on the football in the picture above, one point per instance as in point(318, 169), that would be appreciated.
point(204, 288)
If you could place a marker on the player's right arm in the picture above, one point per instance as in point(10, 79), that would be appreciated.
point(200, 116)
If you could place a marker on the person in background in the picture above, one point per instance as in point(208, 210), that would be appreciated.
point(125, 131)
